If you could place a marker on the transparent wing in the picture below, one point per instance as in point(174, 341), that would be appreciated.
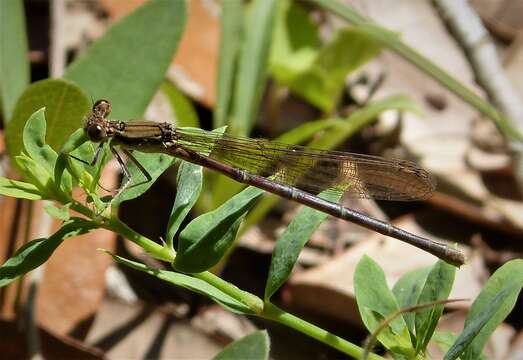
point(312, 170)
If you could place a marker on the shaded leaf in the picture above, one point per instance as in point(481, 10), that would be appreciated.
point(253, 65)
point(206, 239)
point(189, 184)
point(19, 189)
point(254, 346)
point(491, 307)
point(437, 287)
point(60, 213)
point(14, 60)
point(182, 107)
point(407, 291)
point(231, 31)
point(188, 282)
point(376, 302)
point(154, 164)
point(36, 175)
point(65, 106)
point(128, 63)
point(36, 252)
point(319, 76)
point(291, 242)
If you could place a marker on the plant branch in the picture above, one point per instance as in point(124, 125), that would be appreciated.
point(274, 313)
point(252, 301)
point(392, 42)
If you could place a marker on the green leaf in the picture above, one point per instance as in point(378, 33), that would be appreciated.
point(437, 287)
point(188, 282)
point(491, 307)
point(392, 42)
point(189, 181)
point(36, 252)
point(475, 326)
point(128, 63)
point(182, 107)
point(253, 64)
point(296, 39)
point(254, 346)
point(291, 242)
point(376, 302)
point(335, 135)
point(34, 141)
point(154, 164)
point(206, 239)
point(19, 189)
point(77, 139)
point(36, 175)
point(65, 106)
point(309, 129)
point(43, 154)
point(407, 291)
point(14, 60)
point(231, 31)
point(319, 76)
point(60, 213)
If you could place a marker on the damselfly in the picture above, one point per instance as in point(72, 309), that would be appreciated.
point(292, 172)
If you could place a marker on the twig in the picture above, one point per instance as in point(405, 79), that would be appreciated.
point(481, 52)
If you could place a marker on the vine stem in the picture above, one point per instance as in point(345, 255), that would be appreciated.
point(272, 312)
point(260, 308)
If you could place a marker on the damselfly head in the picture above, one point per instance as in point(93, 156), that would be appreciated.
point(95, 131)
point(102, 108)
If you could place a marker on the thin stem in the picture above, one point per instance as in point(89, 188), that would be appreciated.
point(252, 301)
point(274, 313)
point(156, 250)
point(391, 41)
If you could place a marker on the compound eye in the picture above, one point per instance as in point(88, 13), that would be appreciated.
point(102, 108)
point(96, 133)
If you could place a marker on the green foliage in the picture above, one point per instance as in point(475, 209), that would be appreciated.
point(491, 307)
point(426, 286)
point(65, 104)
point(19, 189)
point(231, 31)
point(183, 108)
point(36, 252)
point(254, 346)
point(14, 62)
point(252, 65)
point(376, 303)
point(127, 66)
point(189, 283)
point(290, 243)
point(207, 238)
point(437, 287)
point(316, 73)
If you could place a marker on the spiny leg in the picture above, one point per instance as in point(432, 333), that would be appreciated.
point(139, 166)
point(125, 169)
point(93, 162)
point(127, 173)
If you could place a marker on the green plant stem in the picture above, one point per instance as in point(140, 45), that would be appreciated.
point(252, 301)
point(391, 41)
point(272, 312)
point(156, 250)
point(267, 310)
